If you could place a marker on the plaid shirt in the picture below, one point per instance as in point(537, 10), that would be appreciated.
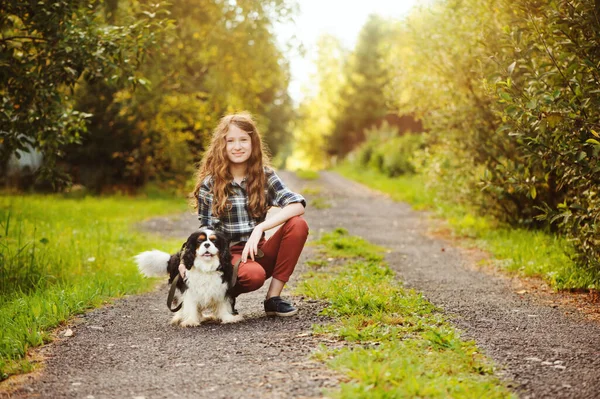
point(236, 223)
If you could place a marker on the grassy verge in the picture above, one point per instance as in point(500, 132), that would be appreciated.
point(400, 346)
point(530, 253)
point(307, 174)
point(59, 257)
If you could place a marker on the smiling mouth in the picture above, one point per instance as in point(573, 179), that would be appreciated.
point(207, 255)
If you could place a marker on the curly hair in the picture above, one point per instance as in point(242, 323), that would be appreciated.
point(215, 164)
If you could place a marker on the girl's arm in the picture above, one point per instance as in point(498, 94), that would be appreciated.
point(285, 214)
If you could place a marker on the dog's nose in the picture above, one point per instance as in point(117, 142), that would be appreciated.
point(207, 244)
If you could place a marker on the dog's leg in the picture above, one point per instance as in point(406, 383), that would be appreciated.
point(190, 317)
point(177, 317)
point(224, 312)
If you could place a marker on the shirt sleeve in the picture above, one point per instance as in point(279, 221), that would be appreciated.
point(279, 194)
point(205, 201)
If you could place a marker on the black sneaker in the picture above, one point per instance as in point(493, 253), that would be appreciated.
point(275, 306)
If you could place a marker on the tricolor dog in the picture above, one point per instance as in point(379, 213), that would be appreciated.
point(207, 282)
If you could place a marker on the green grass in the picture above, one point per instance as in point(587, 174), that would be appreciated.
point(307, 174)
point(319, 203)
point(60, 256)
point(399, 344)
point(527, 252)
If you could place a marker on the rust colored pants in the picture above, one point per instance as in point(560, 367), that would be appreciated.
point(281, 253)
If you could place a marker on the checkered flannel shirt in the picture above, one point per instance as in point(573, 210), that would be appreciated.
point(236, 223)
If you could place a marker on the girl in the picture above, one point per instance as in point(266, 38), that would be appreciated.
point(235, 188)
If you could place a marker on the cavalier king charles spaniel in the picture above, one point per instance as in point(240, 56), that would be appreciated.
point(207, 282)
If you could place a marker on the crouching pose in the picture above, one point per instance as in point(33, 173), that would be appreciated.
point(235, 188)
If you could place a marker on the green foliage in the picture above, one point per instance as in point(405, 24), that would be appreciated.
point(319, 110)
point(46, 49)
point(361, 100)
point(548, 100)
point(401, 346)
point(221, 58)
point(387, 152)
point(59, 257)
point(73, 71)
point(508, 92)
point(307, 174)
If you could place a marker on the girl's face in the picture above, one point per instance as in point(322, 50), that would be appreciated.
point(239, 145)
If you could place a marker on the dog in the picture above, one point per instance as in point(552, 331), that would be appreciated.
point(207, 282)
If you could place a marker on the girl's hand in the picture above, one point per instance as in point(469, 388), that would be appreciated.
point(251, 247)
point(182, 270)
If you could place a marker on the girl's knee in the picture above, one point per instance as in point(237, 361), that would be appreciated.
point(252, 278)
point(298, 225)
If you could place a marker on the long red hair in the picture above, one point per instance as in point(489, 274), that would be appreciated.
point(216, 164)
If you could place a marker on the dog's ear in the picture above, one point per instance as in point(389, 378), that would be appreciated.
point(188, 254)
point(224, 252)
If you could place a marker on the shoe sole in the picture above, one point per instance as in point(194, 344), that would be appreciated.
point(293, 312)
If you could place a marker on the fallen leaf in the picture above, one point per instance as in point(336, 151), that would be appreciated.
point(68, 333)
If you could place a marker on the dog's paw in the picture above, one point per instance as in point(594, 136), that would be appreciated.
point(231, 319)
point(190, 323)
point(176, 320)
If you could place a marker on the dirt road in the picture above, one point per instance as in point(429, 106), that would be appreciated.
point(128, 350)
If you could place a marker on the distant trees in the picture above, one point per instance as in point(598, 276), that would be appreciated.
point(192, 62)
point(361, 99)
point(348, 97)
point(318, 112)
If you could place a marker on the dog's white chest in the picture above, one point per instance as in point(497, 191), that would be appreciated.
point(205, 287)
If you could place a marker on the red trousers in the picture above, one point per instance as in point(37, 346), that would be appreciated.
point(281, 253)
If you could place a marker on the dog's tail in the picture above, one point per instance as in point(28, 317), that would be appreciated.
point(153, 263)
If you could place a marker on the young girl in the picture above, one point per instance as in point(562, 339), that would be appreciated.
point(234, 190)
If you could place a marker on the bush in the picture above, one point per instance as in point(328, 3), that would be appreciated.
point(509, 92)
point(386, 152)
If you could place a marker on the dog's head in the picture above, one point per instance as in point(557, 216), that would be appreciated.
point(206, 250)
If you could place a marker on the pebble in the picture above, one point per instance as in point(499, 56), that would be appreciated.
point(559, 367)
point(547, 363)
point(533, 359)
point(96, 328)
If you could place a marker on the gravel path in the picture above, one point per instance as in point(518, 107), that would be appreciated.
point(128, 350)
point(543, 352)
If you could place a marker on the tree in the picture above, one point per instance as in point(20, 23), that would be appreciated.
point(318, 111)
point(46, 49)
point(362, 100)
point(221, 57)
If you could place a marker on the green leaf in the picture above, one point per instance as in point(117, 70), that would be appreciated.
point(533, 192)
point(592, 141)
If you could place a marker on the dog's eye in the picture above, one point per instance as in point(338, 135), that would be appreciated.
point(212, 238)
